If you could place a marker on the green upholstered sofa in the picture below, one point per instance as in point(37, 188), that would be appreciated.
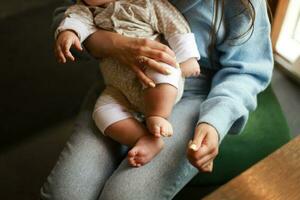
point(265, 132)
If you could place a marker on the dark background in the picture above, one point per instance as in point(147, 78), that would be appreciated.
point(36, 91)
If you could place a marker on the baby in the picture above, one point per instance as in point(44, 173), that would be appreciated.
point(118, 108)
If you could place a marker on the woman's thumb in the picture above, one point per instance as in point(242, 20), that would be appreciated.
point(196, 143)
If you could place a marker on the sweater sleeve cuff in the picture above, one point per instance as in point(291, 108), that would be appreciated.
point(184, 46)
point(222, 115)
point(81, 29)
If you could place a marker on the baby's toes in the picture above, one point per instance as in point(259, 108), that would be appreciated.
point(167, 129)
point(154, 129)
point(132, 162)
point(170, 131)
point(140, 161)
point(164, 131)
point(141, 158)
point(131, 157)
point(132, 153)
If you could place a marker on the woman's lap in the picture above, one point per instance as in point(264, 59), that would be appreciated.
point(168, 172)
point(89, 161)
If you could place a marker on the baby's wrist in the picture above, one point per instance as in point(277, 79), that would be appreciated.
point(191, 63)
point(188, 60)
point(67, 31)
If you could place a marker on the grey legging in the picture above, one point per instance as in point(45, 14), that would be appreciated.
point(93, 166)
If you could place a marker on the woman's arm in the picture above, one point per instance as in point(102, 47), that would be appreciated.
point(246, 70)
point(128, 50)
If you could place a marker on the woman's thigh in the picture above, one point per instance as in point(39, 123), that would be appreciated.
point(86, 162)
point(169, 171)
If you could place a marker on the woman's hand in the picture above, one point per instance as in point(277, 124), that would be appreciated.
point(135, 53)
point(63, 43)
point(204, 148)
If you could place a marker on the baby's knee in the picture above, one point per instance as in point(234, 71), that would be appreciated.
point(173, 78)
point(61, 192)
point(105, 116)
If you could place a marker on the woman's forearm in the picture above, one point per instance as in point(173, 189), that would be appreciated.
point(129, 51)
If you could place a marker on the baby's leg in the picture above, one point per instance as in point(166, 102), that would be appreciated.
point(159, 101)
point(133, 134)
point(112, 117)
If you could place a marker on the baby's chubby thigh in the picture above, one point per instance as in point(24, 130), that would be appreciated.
point(174, 78)
point(125, 80)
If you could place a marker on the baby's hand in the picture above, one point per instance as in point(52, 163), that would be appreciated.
point(190, 67)
point(64, 42)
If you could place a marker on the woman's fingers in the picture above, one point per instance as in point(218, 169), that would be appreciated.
point(207, 167)
point(202, 164)
point(201, 160)
point(156, 51)
point(203, 149)
point(155, 45)
point(198, 139)
point(161, 56)
point(142, 77)
point(204, 160)
point(144, 62)
point(202, 153)
point(131, 50)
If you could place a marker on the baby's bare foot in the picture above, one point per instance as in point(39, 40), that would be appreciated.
point(144, 150)
point(159, 126)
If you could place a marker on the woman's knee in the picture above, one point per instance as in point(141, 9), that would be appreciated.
point(83, 166)
point(118, 188)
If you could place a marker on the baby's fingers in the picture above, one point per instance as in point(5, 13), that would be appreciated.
point(77, 45)
point(66, 50)
point(59, 54)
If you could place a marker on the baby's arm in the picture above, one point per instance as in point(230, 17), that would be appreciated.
point(174, 27)
point(79, 19)
point(74, 29)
